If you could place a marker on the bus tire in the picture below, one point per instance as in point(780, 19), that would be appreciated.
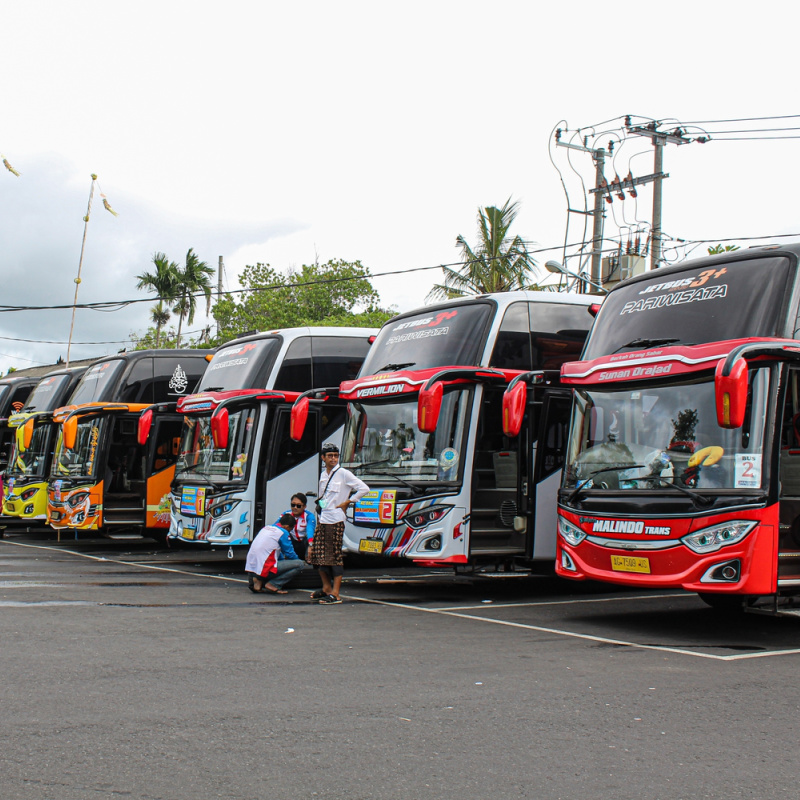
point(724, 603)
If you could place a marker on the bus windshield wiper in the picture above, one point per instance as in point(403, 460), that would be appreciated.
point(371, 464)
point(200, 475)
point(579, 488)
point(647, 343)
point(698, 500)
point(397, 478)
point(395, 367)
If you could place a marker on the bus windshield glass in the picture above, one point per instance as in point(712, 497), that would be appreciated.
point(98, 382)
point(382, 441)
point(651, 439)
point(81, 461)
point(447, 337)
point(33, 460)
point(241, 366)
point(46, 394)
point(198, 455)
point(707, 304)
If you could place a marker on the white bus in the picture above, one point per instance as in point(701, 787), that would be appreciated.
point(424, 430)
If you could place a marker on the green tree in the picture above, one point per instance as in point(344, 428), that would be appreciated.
point(498, 263)
point(335, 293)
point(193, 278)
point(164, 282)
point(719, 248)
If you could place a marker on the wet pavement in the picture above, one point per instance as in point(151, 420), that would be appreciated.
point(133, 670)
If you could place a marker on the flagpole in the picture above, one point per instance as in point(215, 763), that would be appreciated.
point(80, 265)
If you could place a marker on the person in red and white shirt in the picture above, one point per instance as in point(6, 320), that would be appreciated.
point(271, 560)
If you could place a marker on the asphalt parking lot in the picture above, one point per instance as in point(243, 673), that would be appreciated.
point(140, 672)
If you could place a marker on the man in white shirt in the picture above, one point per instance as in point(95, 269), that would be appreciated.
point(338, 488)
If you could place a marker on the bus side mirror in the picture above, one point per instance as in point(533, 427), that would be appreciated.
point(514, 400)
point(70, 432)
point(298, 418)
point(27, 435)
point(730, 394)
point(429, 405)
point(220, 429)
point(143, 429)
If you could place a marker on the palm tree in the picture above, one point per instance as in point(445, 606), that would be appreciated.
point(194, 278)
point(164, 282)
point(497, 264)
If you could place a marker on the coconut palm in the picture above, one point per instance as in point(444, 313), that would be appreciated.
point(497, 264)
point(164, 282)
point(193, 278)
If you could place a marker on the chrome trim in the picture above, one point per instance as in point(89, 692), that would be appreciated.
point(628, 544)
point(734, 562)
point(788, 582)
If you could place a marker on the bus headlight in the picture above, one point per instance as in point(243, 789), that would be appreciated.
point(77, 499)
point(711, 539)
point(223, 508)
point(419, 519)
point(570, 533)
point(28, 493)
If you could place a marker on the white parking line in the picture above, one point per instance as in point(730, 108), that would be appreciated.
point(568, 602)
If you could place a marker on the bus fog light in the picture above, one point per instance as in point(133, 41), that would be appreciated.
point(225, 531)
point(726, 572)
point(434, 543)
point(709, 540)
point(28, 509)
point(567, 562)
point(570, 533)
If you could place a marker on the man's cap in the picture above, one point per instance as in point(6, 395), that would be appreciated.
point(330, 447)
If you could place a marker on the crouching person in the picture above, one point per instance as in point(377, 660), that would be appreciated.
point(271, 560)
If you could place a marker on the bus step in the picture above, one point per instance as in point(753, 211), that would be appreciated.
point(790, 554)
point(123, 521)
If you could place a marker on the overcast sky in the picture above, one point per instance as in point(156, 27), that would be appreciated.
point(285, 132)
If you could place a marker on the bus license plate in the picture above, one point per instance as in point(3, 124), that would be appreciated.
point(374, 546)
point(188, 533)
point(630, 564)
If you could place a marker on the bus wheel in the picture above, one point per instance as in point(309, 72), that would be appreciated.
point(725, 603)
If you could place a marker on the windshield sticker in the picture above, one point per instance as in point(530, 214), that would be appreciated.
point(448, 464)
point(95, 373)
point(430, 327)
point(178, 381)
point(377, 507)
point(678, 298)
point(747, 473)
point(94, 436)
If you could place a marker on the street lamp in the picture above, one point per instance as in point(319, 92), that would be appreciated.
point(559, 269)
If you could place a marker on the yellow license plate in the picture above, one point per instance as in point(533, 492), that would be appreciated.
point(371, 546)
point(630, 564)
point(187, 533)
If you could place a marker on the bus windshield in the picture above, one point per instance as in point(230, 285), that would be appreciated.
point(46, 394)
point(664, 435)
point(198, 455)
point(242, 366)
point(706, 304)
point(447, 337)
point(33, 461)
point(382, 440)
point(81, 461)
point(97, 382)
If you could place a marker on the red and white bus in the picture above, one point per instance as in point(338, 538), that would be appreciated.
point(683, 465)
point(424, 430)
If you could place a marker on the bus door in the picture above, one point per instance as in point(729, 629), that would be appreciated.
point(498, 469)
point(290, 466)
point(163, 448)
point(789, 509)
point(124, 480)
point(548, 455)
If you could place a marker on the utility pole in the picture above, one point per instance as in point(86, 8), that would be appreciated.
point(599, 158)
point(659, 139)
point(219, 284)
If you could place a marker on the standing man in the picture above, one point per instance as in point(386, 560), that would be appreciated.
point(271, 559)
point(338, 488)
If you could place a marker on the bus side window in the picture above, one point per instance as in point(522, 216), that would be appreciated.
point(513, 347)
point(336, 359)
point(295, 372)
point(289, 453)
point(138, 383)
